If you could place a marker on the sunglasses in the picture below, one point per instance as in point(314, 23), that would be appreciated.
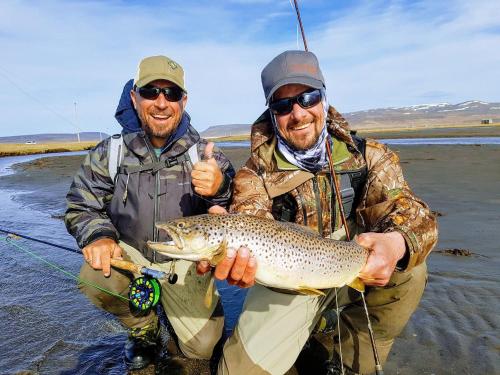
point(307, 99)
point(172, 94)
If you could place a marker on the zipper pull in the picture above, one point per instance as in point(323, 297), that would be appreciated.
point(125, 194)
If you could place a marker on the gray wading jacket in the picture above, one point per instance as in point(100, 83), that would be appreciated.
point(128, 208)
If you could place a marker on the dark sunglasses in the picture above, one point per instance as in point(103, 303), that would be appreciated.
point(307, 99)
point(172, 94)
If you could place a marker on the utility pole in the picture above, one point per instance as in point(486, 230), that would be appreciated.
point(76, 123)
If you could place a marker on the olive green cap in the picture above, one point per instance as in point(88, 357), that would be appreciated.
point(159, 67)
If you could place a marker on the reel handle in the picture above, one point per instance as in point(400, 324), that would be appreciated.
point(136, 268)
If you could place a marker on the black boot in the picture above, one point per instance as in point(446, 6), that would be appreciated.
point(335, 367)
point(139, 353)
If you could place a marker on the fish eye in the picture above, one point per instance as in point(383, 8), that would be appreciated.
point(180, 225)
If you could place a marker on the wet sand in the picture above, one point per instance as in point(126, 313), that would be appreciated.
point(456, 327)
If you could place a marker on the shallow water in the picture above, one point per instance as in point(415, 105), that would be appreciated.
point(47, 326)
point(50, 328)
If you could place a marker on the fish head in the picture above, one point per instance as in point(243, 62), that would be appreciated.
point(190, 241)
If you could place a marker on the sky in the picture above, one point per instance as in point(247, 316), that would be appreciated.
point(373, 54)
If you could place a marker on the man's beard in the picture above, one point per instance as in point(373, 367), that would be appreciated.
point(303, 146)
point(157, 133)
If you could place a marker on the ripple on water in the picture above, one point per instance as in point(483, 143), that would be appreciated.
point(457, 322)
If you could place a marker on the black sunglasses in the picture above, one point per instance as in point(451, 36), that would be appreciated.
point(172, 94)
point(307, 99)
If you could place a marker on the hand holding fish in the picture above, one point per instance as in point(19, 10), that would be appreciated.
point(98, 254)
point(239, 268)
point(206, 175)
point(385, 251)
point(289, 256)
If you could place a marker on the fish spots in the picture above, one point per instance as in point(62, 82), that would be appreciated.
point(291, 251)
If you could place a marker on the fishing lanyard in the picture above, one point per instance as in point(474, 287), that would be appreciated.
point(338, 195)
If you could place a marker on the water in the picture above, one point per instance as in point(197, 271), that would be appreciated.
point(47, 325)
point(407, 141)
point(7, 161)
point(443, 141)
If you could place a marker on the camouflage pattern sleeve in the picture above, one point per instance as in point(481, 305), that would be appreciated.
point(88, 196)
point(249, 193)
point(388, 204)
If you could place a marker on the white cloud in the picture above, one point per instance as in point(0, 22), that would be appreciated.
point(372, 56)
point(398, 54)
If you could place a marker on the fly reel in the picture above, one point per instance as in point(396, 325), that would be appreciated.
point(144, 294)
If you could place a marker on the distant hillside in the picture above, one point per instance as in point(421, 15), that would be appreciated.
point(55, 137)
point(422, 115)
point(428, 115)
point(226, 130)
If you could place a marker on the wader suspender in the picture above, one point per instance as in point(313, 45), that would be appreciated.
point(115, 154)
point(115, 158)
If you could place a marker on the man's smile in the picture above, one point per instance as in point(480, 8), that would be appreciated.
point(161, 117)
point(300, 126)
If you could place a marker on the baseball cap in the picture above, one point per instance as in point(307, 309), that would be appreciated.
point(300, 67)
point(159, 67)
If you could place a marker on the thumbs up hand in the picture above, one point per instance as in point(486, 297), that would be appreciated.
point(206, 175)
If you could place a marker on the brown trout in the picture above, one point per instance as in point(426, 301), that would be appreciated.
point(289, 256)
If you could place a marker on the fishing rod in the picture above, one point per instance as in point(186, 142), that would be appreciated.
point(144, 292)
point(116, 263)
point(378, 366)
point(300, 25)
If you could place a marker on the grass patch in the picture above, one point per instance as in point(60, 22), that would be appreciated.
point(15, 149)
point(230, 138)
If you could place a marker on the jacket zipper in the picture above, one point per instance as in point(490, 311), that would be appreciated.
point(156, 204)
point(318, 205)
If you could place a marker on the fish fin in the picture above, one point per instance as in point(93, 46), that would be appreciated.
point(310, 291)
point(357, 284)
point(210, 291)
point(220, 253)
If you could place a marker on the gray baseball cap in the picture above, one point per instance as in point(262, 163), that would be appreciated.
point(291, 67)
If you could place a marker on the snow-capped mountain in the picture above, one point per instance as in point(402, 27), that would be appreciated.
point(420, 115)
point(440, 114)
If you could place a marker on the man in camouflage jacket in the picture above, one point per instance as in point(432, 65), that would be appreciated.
point(294, 184)
point(156, 180)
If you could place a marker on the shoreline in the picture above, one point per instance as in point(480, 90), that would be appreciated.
point(445, 131)
point(20, 149)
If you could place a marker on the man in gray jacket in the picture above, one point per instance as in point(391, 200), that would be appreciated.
point(112, 213)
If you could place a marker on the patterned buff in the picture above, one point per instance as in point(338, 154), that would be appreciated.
point(313, 159)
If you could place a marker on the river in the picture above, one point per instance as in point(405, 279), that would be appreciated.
point(50, 328)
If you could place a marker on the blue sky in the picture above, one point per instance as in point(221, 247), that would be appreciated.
point(373, 54)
